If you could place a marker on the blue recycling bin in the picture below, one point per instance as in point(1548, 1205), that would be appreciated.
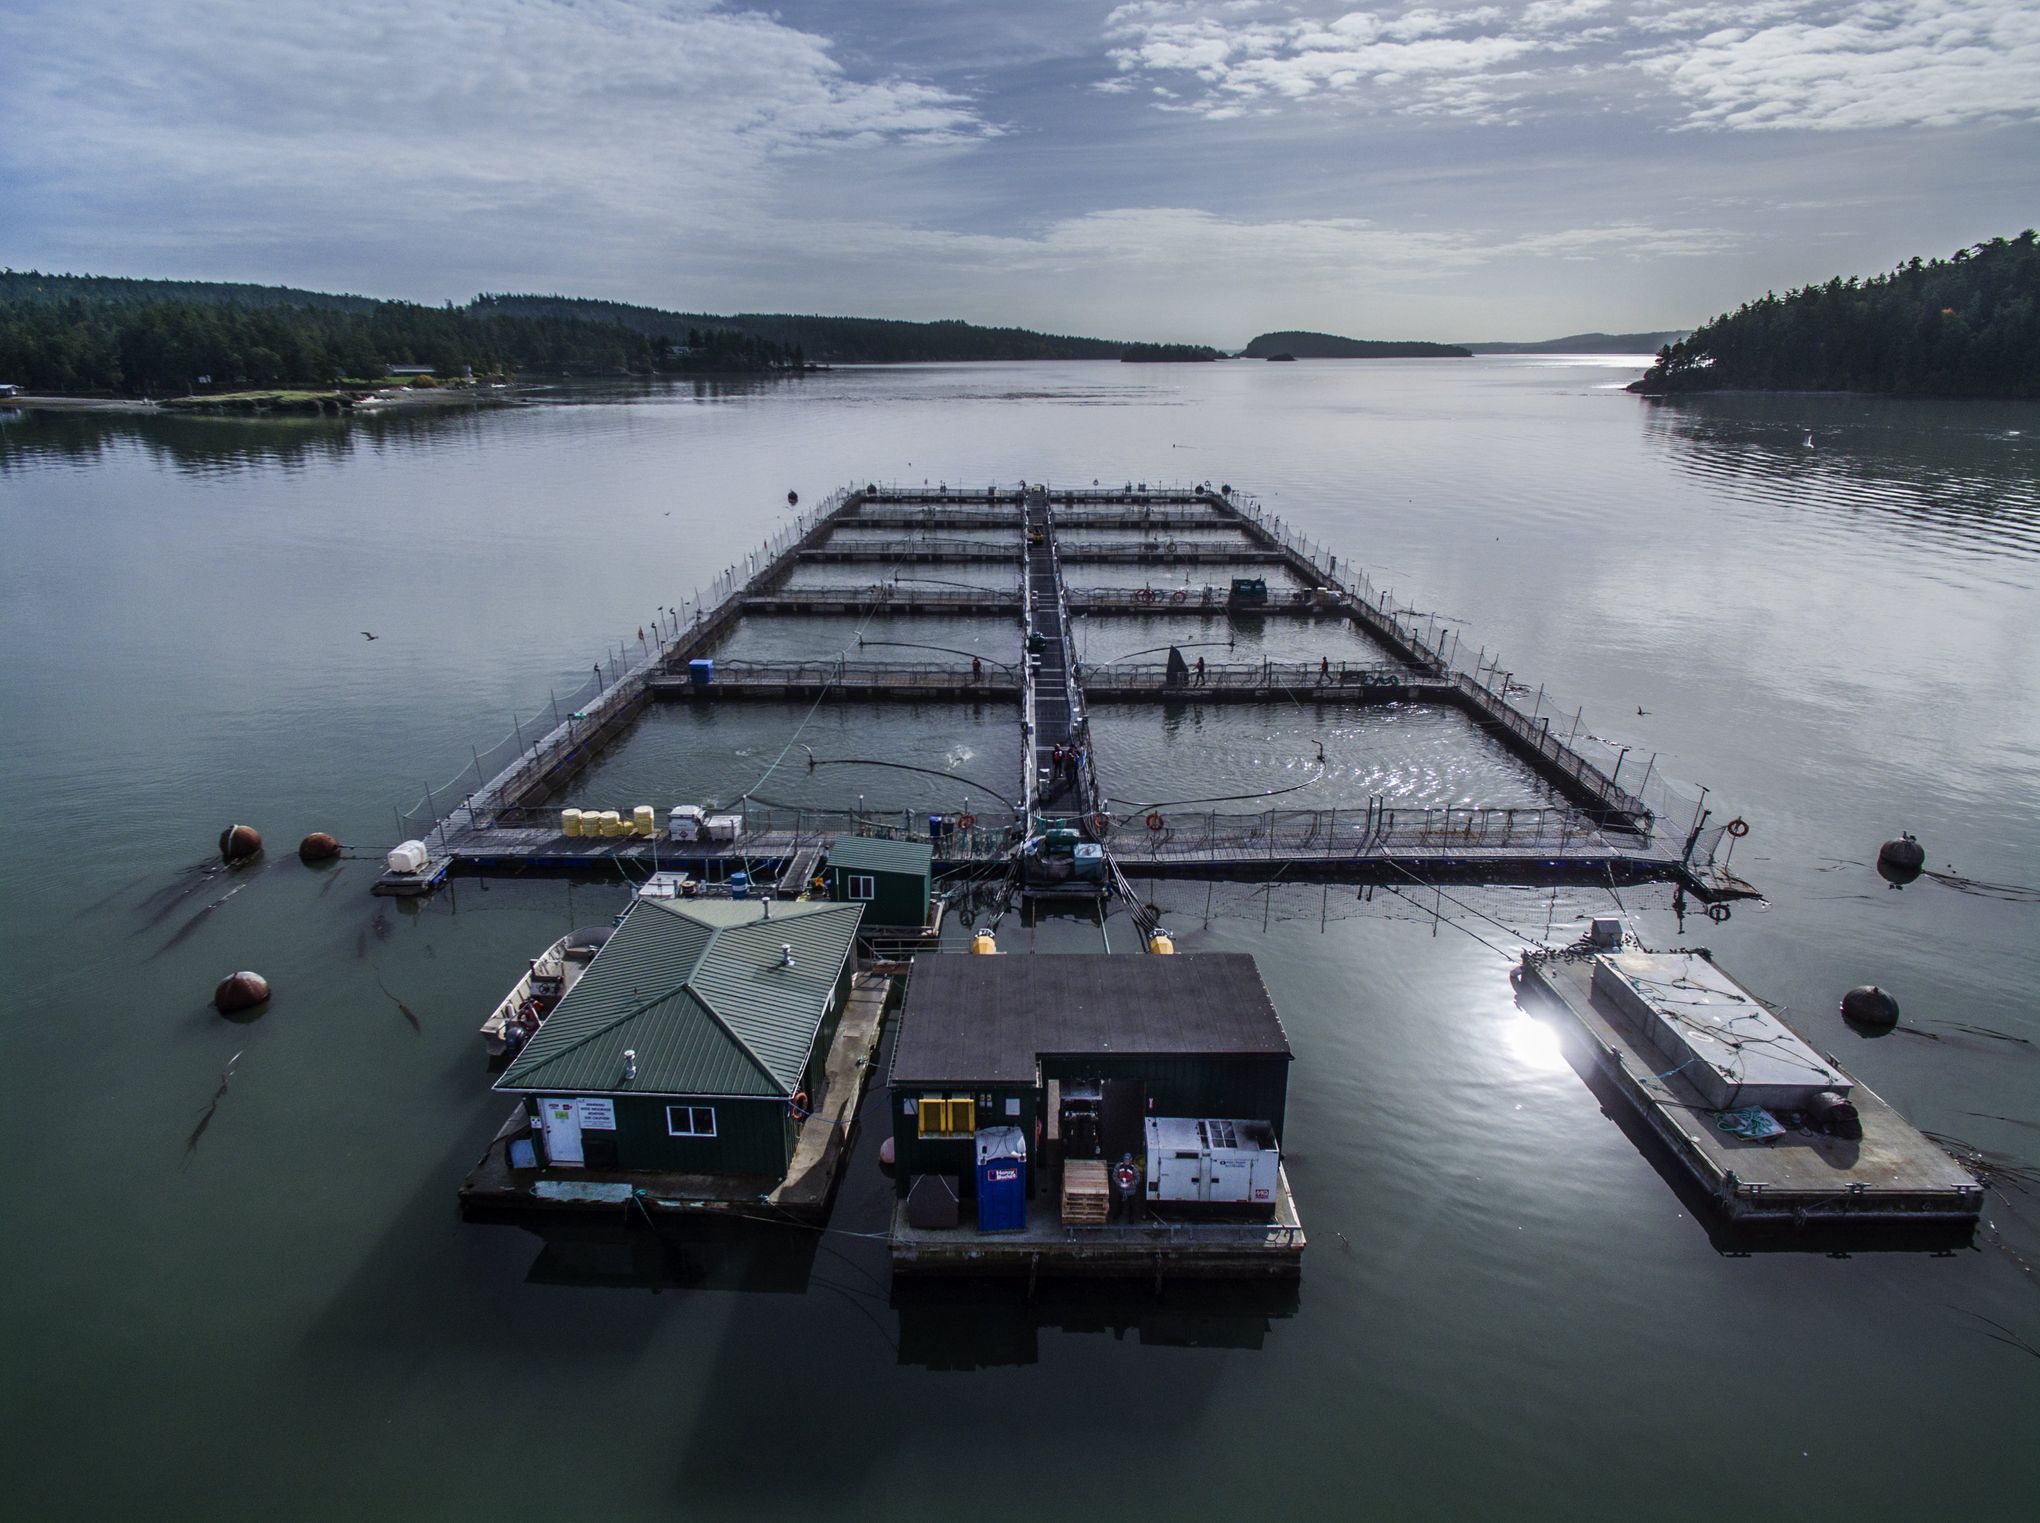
point(701, 671)
point(1001, 1179)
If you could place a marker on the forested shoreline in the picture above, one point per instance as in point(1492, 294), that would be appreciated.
point(1966, 326)
point(85, 334)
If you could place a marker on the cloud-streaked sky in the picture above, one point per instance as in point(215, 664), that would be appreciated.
point(1187, 169)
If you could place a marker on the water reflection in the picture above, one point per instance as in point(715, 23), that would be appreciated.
point(1963, 475)
point(973, 1325)
point(211, 446)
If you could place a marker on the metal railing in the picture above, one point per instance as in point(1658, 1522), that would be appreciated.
point(1272, 677)
point(1378, 828)
point(842, 672)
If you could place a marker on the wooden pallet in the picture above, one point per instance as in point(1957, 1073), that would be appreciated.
point(1086, 1194)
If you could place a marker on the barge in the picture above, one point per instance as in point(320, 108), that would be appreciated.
point(1770, 1129)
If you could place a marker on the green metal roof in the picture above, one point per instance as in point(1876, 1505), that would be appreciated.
point(870, 854)
point(700, 990)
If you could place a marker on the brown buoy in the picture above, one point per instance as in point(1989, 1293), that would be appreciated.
point(317, 847)
point(240, 991)
point(1870, 1007)
point(240, 843)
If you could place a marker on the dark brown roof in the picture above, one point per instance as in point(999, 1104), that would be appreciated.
point(987, 1019)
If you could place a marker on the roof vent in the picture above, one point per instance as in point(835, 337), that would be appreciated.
point(785, 954)
point(629, 1064)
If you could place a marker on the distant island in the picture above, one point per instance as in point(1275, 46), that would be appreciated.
point(1330, 346)
point(1588, 343)
point(1167, 354)
point(1967, 326)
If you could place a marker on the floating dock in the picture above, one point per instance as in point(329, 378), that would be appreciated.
point(1737, 1096)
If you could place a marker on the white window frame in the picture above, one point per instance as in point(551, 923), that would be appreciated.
point(861, 885)
point(693, 1111)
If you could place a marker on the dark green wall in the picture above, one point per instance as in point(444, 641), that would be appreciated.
point(1241, 1089)
point(900, 899)
point(753, 1136)
point(958, 1156)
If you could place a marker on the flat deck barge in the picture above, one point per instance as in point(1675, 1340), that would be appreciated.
point(1889, 1175)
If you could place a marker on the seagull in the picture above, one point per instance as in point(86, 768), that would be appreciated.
point(367, 636)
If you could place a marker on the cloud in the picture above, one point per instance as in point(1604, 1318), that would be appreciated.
point(1828, 65)
point(1908, 63)
point(252, 118)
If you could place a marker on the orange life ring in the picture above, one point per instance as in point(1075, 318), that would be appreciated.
point(798, 1104)
point(1145, 595)
point(1155, 820)
point(1738, 827)
point(1179, 595)
point(966, 821)
point(1100, 824)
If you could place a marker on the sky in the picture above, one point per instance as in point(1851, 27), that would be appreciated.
point(1196, 170)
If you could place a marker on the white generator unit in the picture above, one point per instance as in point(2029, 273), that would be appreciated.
point(1212, 1163)
point(683, 822)
point(721, 827)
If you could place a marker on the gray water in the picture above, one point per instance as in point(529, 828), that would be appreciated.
point(1506, 1309)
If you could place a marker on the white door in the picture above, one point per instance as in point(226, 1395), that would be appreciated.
point(562, 1122)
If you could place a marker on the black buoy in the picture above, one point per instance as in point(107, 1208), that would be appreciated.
point(793, 499)
point(1870, 1007)
point(1901, 861)
point(317, 847)
point(240, 991)
point(240, 843)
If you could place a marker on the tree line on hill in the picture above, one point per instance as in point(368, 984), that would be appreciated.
point(1964, 326)
point(145, 338)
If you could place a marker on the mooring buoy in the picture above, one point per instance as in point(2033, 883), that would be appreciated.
point(1901, 861)
point(1870, 1007)
point(318, 847)
point(240, 991)
point(240, 843)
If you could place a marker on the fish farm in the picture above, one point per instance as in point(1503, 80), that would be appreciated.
point(983, 606)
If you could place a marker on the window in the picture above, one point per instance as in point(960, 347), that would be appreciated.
point(861, 885)
point(690, 1120)
point(953, 1116)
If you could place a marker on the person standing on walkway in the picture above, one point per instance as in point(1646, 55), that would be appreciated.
point(1200, 671)
point(1324, 670)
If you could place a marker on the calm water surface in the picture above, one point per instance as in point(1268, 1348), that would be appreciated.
point(1506, 1309)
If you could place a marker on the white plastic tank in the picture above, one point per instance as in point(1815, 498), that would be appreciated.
point(683, 822)
point(410, 857)
point(721, 827)
point(570, 822)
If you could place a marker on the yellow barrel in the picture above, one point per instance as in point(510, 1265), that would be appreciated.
point(644, 820)
point(983, 944)
point(570, 822)
point(1162, 944)
point(612, 823)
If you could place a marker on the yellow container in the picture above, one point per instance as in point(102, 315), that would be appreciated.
point(570, 822)
point(983, 944)
point(644, 820)
point(1161, 944)
point(612, 823)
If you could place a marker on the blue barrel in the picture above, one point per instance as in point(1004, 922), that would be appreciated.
point(701, 671)
point(740, 884)
point(1001, 1179)
point(938, 827)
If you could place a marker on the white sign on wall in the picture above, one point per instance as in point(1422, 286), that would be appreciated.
point(597, 1115)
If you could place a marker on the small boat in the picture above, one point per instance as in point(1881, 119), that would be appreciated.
point(533, 997)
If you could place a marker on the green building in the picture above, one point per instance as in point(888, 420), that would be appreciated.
point(1082, 1047)
point(686, 1043)
point(893, 880)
